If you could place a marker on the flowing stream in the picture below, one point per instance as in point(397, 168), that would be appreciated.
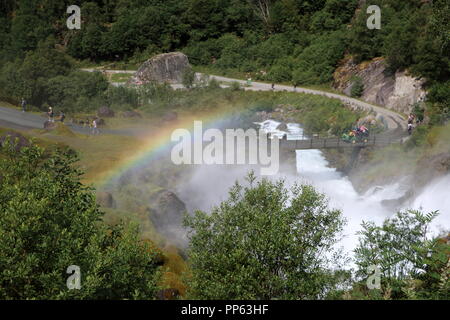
point(212, 183)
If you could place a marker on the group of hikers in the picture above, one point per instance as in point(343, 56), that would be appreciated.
point(357, 134)
point(93, 125)
point(411, 119)
point(51, 115)
point(50, 112)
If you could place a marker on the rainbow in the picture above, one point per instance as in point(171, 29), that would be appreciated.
point(155, 143)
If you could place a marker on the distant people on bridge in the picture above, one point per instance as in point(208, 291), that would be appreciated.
point(50, 114)
point(23, 104)
point(359, 134)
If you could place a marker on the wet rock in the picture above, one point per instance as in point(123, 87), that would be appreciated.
point(105, 199)
point(282, 127)
point(167, 67)
point(14, 138)
point(396, 204)
point(166, 209)
point(166, 213)
point(105, 112)
point(49, 125)
point(397, 91)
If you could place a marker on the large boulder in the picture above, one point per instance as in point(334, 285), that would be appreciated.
point(166, 67)
point(166, 213)
point(282, 127)
point(166, 209)
point(105, 199)
point(105, 112)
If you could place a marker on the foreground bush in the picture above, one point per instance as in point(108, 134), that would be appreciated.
point(50, 221)
point(259, 244)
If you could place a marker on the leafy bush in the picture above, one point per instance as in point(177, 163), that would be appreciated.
point(400, 248)
point(317, 62)
point(50, 221)
point(259, 245)
point(188, 78)
point(122, 97)
point(357, 87)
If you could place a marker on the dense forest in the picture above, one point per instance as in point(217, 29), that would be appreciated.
point(294, 41)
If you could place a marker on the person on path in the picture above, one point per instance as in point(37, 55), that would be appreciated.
point(50, 114)
point(94, 127)
point(23, 104)
point(273, 86)
point(410, 128)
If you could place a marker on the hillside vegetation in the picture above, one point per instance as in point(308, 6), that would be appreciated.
point(287, 41)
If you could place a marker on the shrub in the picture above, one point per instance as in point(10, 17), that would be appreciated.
point(260, 244)
point(188, 78)
point(357, 87)
point(50, 221)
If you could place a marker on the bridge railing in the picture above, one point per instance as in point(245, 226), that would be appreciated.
point(322, 142)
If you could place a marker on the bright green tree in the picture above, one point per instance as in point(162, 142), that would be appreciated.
point(50, 221)
point(264, 242)
point(411, 265)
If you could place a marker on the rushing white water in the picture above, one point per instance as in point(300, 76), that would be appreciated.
point(209, 186)
point(313, 168)
point(436, 196)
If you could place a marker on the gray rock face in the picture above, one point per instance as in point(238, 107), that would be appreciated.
point(105, 199)
point(166, 67)
point(167, 209)
point(397, 92)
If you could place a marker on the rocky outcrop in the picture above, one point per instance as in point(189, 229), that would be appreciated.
point(167, 67)
point(105, 199)
point(166, 213)
point(398, 92)
point(167, 208)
